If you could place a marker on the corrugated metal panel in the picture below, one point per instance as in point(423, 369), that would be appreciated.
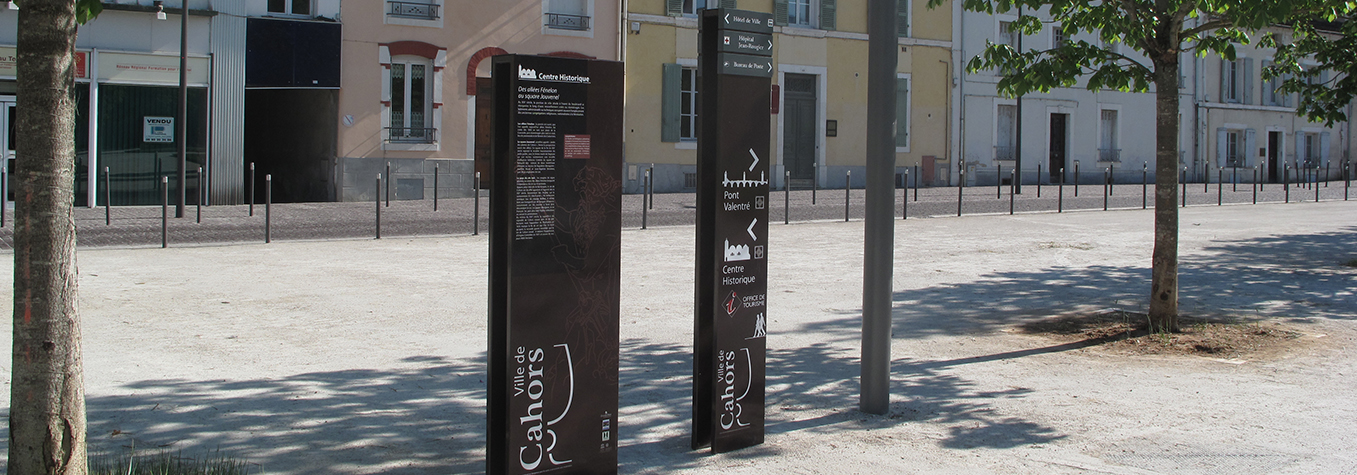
point(228, 103)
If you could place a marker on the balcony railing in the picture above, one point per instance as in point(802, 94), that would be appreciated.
point(415, 10)
point(1004, 152)
point(410, 135)
point(1109, 155)
point(561, 21)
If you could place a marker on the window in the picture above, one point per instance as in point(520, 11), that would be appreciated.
point(805, 13)
point(1311, 149)
point(1273, 97)
point(1233, 145)
point(688, 105)
point(902, 113)
point(412, 9)
point(1233, 156)
point(1057, 37)
point(1007, 34)
point(570, 15)
point(410, 103)
point(798, 12)
point(1006, 123)
point(290, 7)
point(1109, 150)
point(1235, 81)
point(1110, 46)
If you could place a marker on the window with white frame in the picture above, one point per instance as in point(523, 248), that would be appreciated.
point(1309, 157)
point(290, 7)
point(1234, 153)
point(688, 105)
point(1057, 37)
point(569, 15)
point(690, 7)
point(1109, 149)
point(1005, 133)
point(799, 12)
point(1271, 96)
point(410, 105)
point(1236, 85)
point(1008, 35)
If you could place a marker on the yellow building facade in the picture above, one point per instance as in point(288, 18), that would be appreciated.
point(819, 93)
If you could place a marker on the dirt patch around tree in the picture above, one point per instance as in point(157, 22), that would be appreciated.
point(1123, 332)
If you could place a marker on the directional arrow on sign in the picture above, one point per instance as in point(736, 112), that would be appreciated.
point(750, 229)
point(756, 160)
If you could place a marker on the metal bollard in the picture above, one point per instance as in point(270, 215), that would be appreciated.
point(651, 188)
point(435, 187)
point(108, 198)
point(1206, 178)
point(164, 212)
point(1234, 180)
point(904, 195)
point(1220, 187)
point(998, 181)
point(378, 200)
point(1347, 180)
point(1255, 185)
point(200, 195)
point(251, 188)
point(917, 176)
point(1060, 201)
point(847, 193)
point(1316, 185)
point(1184, 181)
point(1327, 171)
point(1076, 178)
point(960, 186)
point(645, 184)
point(814, 181)
point(268, 208)
point(904, 201)
point(787, 198)
point(1111, 172)
point(1012, 189)
point(1038, 180)
point(1286, 182)
point(388, 184)
point(1106, 172)
point(1261, 177)
point(1144, 185)
point(476, 205)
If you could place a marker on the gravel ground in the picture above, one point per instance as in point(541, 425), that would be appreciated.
point(359, 356)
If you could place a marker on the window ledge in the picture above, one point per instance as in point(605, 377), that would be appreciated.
point(395, 20)
point(686, 145)
point(410, 147)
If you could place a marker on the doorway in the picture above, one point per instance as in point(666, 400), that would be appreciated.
point(798, 127)
point(1274, 146)
point(1057, 146)
point(485, 128)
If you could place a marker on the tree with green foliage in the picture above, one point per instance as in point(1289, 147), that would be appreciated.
point(47, 394)
point(1317, 61)
point(1161, 31)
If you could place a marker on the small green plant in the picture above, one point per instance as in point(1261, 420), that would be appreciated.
point(165, 463)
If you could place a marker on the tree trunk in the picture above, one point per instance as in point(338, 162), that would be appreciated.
point(1164, 271)
point(47, 395)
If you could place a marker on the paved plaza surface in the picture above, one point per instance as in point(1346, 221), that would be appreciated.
point(332, 353)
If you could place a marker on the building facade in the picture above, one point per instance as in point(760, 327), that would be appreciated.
point(416, 93)
point(819, 91)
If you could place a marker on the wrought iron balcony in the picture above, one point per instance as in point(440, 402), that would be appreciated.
point(1004, 152)
point(1109, 155)
point(415, 10)
point(410, 135)
point(561, 21)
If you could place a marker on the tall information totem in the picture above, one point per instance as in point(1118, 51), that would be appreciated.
point(734, 74)
point(555, 211)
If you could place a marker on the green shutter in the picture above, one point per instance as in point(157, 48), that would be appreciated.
point(780, 12)
point(902, 18)
point(828, 20)
point(670, 99)
point(901, 112)
point(728, 4)
point(673, 7)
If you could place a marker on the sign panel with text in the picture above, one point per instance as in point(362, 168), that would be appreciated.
point(732, 235)
point(554, 266)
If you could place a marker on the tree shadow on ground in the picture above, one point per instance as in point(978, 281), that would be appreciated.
point(429, 418)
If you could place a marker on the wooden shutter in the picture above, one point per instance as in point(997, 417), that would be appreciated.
point(728, 4)
point(1246, 77)
point(902, 18)
point(673, 7)
point(780, 12)
point(901, 112)
point(1222, 145)
point(1250, 144)
point(670, 98)
point(1300, 148)
point(828, 18)
point(1323, 148)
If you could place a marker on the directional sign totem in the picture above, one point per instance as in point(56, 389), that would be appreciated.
point(732, 229)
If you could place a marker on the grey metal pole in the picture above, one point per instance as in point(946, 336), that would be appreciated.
point(998, 181)
point(251, 188)
point(814, 181)
point(1286, 181)
point(181, 128)
point(1220, 187)
point(1106, 172)
point(787, 198)
point(904, 200)
point(1038, 180)
point(847, 193)
point(1316, 172)
point(645, 185)
point(1234, 180)
point(879, 226)
point(200, 195)
point(960, 186)
point(108, 198)
point(378, 199)
point(1144, 185)
point(1012, 189)
point(1111, 178)
point(651, 188)
point(476, 205)
point(1184, 182)
point(164, 212)
point(1076, 178)
point(388, 184)
point(1347, 179)
point(1206, 177)
point(1060, 200)
point(1255, 186)
point(435, 187)
point(268, 208)
point(917, 176)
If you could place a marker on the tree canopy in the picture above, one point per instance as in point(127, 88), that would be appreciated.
point(1316, 60)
